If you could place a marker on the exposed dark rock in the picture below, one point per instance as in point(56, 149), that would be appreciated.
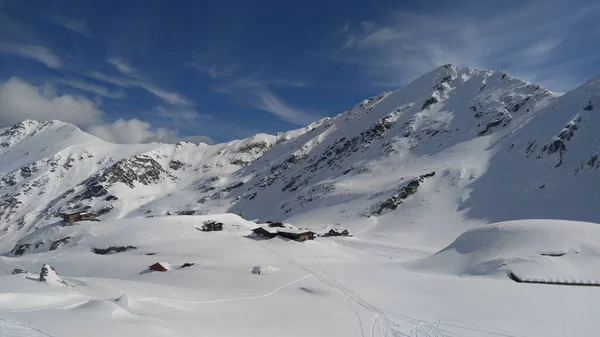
point(589, 107)
point(592, 163)
point(113, 250)
point(240, 162)
point(233, 186)
point(20, 249)
point(187, 212)
point(176, 165)
point(60, 242)
point(553, 254)
point(254, 148)
point(186, 265)
point(489, 127)
point(104, 210)
point(429, 102)
point(111, 198)
point(397, 199)
point(19, 271)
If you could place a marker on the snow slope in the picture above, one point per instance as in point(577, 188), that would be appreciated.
point(451, 144)
point(452, 156)
point(328, 287)
point(533, 248)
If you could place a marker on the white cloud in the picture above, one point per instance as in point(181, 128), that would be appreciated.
point(524, 38)
point(217, 72)
point(92, 88)
point(136, 80)
point(262, 98)
point(20, 100)
point(77, 26)
point(178, 115)
point(122, 66)
point(133, 131)
point(36, 53)
point(199, 139)
point(120, 82)
point(167, 96)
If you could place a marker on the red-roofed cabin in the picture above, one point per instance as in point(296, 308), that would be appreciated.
point(159, 266)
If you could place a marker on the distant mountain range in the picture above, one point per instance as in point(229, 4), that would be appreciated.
point(455, 148)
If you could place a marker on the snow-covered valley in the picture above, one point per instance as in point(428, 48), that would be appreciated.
point(447, 185)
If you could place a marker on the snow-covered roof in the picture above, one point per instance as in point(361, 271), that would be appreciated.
point(294, 230)
point(272, 230)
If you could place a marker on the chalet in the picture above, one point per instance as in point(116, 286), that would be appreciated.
point(212, 226)
point(296, 234)
point(265, 232)
point(159, 266)
point(75, 216)
point(276, 224)
point(332, 232)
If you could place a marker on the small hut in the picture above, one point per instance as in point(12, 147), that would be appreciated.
point(266, 233)
point(74, 216)
point(212, 226)
point(332, 232)
point(159, 266)
point(296, 234)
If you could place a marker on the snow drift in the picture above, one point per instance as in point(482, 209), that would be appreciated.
point(533, 248)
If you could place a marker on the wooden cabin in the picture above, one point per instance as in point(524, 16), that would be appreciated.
point(75, 216)
point(159, 266)
point(212, 226)
point(296, 234)
point(265, 232)
point(332, 232)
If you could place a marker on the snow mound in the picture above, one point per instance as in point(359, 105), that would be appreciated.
point(49, 275)
point(102, 308)
point(127, 303)
point(535, 248)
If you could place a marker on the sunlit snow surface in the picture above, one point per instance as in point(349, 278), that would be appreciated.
point(328, 287)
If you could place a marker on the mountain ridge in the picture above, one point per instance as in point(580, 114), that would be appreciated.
point(390, 164)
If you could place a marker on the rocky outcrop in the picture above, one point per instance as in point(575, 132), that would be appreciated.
point(393, 202)
point(48, 274)
point(112, 250)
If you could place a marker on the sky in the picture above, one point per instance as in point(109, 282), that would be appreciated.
point(133, 71)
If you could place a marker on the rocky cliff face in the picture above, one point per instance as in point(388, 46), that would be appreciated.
point(464, 142)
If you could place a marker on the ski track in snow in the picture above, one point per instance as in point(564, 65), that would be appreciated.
point(226, 299)
point(10, 328)
point(380, 316)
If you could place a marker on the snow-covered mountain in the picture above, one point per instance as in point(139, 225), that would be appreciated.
point(464, 145)
point(414, 174)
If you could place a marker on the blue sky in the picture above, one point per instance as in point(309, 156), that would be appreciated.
point(140, 71)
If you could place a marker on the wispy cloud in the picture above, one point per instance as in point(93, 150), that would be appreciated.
point(259, 95)
point(36, 53)
point(217, 72)
point(529, 39)
point(92, 88)
point(122, 66)
point(134, 79)
point(77, 26)
point(167, 96)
